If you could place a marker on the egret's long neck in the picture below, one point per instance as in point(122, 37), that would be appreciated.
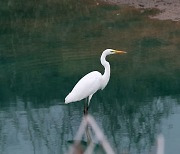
point(106, 74)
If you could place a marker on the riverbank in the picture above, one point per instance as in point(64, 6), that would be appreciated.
point(168, 10)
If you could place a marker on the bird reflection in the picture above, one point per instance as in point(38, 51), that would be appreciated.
point(89, 146)
point(84, 146)
point(88, 135)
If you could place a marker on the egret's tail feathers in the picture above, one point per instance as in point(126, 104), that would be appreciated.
point(71, 97)
point(68, 99)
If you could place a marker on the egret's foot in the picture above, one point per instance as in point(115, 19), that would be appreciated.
point(85, 111)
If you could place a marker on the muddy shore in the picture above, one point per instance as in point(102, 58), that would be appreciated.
point(169, 9)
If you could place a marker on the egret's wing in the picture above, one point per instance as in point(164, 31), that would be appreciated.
point(86, 86)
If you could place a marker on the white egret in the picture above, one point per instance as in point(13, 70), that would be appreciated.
point(92, 82)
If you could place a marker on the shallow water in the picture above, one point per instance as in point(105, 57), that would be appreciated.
point(45, 51)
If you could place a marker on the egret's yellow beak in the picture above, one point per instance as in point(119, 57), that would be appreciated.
point(116, 51)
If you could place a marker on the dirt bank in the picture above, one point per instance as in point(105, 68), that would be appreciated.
point(169, 9)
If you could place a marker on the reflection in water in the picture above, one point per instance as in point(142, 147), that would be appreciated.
point(88, 121)
point(25, 129)
point(29, 130)
point(160, 144)
point(134, 126)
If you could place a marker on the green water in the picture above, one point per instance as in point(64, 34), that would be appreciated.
point(46, 47)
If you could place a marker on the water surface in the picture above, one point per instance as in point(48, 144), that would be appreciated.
point(46, 47)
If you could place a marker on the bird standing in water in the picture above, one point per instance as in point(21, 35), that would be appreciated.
point(92, 82)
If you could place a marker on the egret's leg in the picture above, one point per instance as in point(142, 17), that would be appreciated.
point(89, 99)
point(85, 106)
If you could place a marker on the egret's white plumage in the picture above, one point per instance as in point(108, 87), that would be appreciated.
point(86, 86)
point(92, 82)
